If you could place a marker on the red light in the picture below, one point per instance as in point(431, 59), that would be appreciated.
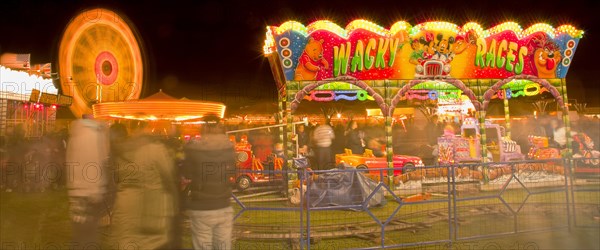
point(187, 137)
point(37, 106)
point(197, 136)
point(25, 106)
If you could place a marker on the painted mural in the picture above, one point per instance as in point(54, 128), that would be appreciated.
point(363, 50)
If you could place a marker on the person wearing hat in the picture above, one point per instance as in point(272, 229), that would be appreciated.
point(208, 163)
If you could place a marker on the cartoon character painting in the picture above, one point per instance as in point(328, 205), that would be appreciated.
point(422, 49)
point(463, 42)
point(311, 61)
point(432, 57)
point(546, 55)
point(443, 48)
point(416, 56)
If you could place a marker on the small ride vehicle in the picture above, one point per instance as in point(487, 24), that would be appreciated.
point(250, 170)
point(368, 161)
point(466, 148)
point(541, 149)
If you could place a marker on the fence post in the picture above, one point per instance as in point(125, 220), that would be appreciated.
point(308, 180)
point(454, 197)
point(450, 176)
point(567, 165)
point(301, 179)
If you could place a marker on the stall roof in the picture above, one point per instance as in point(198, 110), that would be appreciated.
point(17, 85)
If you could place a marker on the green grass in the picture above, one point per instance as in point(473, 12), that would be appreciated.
point(35, 220)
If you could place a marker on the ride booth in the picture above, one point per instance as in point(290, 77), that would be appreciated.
point(440, 61)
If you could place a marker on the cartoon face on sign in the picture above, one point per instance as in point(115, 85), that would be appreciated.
point(546, 56)
point(443, 46)
point(432, 57)
point(311, 61)
point(363, 50)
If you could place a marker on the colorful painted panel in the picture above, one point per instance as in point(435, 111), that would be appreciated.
point(366, 51)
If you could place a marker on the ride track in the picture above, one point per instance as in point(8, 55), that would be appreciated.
point(455, 215)
point(370, 230)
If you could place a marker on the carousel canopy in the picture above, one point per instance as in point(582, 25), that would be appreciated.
point(159, 106)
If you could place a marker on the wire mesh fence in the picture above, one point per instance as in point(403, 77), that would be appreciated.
point(585, 183)
point(429, 205)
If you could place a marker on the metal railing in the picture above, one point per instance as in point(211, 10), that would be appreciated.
point(432, 205)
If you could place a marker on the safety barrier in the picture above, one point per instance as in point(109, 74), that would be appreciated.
point(431, 205)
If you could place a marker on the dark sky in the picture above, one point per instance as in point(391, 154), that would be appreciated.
point(212, 49)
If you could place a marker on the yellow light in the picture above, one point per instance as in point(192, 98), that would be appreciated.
point(269, 46)
point(543, 27)
point(177, 110)
point(401, 26)
point(474, 27)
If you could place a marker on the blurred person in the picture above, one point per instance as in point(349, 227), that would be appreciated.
point(542, 127)
point(355, 138)
point(86, 156)
point(449, 131)
point(262, 144)
point(337, 146)
point(433, 130)
point(559, 133)
point(208, 163)
point(323, 136)
point(303, 139)
point(146, 198)
point(16, 148)
point(376, 146)
point(117, 134)
point(279, 151)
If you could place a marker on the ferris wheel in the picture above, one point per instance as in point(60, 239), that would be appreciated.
point(99, 60)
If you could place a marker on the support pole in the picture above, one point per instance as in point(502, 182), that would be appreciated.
point(483, 140)
point(566, 119)
point(389, 150)
point(280, 117)
point(507, 118)
point(289, 130)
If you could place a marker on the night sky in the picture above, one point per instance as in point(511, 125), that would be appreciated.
point(213, 49)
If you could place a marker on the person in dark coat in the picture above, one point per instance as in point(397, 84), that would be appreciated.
point(355, 139)
point(209, 162)
point(303, 140)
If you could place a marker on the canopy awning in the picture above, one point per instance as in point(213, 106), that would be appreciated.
point(158, 106)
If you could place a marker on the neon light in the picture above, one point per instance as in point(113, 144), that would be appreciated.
point(417, 94)
point(435, 26)
point(336, 95)
point(517, 90)
point(269, 46)
point(402, 26)
point(442, 95)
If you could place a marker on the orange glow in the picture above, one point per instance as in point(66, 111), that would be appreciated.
point(158, 110)
point(401, 26)
point(173, 110)
point(88, 35)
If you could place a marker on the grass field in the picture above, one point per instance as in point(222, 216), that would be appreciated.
point(40, 221)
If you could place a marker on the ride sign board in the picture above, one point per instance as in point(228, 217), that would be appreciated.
point(363, 50)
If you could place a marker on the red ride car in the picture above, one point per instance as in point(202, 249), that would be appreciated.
point(402, 163)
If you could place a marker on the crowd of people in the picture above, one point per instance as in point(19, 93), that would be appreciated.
point(145, 183)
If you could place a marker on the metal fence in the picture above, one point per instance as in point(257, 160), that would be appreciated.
point(432, 205)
